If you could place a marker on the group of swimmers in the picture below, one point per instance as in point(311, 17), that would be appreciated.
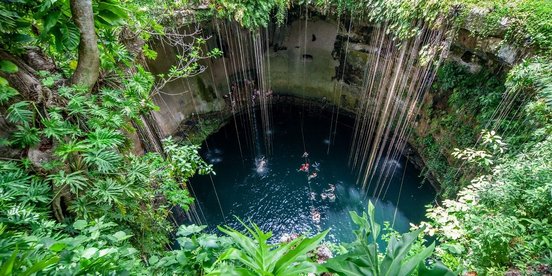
point(328, 194)
point(305, 167)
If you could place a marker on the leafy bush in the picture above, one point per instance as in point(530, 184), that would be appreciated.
point(502, 219)
point(364, 257)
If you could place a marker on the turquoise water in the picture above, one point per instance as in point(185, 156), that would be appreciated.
point(279, 197)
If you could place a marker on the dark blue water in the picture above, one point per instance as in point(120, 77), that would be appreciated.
point(279, 197)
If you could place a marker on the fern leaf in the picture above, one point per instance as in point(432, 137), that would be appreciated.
point(64, 150)
point(105, 161)
point(138, 172)
point(20, 113)
point(108, 191)
point(26, 136)
point(37, 192)
point(77, 105)
point(6, 92)
point(56, 128)
point(76, 181)
point(105, 138)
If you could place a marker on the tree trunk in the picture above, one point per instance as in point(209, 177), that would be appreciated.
point(88, 68)
point(26, 82)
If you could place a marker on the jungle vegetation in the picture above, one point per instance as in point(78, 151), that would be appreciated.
point(79, 196)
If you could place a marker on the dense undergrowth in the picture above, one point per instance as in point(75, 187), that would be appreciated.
point(78, 196)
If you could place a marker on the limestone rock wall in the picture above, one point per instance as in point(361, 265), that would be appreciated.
point(315, 57)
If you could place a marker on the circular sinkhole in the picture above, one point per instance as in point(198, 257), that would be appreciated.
point(272, 191)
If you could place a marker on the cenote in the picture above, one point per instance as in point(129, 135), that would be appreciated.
point(279, 197)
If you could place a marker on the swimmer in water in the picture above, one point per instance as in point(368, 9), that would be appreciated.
point(313, 175)
point(261, 165)
point(316, 166)
point(323, 196)
point(315, 215)
point(305, 154)
point(331, 189)
point(312, 196)
point(331, 197)
point(304, 167)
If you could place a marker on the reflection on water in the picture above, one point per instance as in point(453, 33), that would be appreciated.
point(213, 156)
point(275, 193)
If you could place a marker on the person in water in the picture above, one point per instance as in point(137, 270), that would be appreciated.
point(304, 167)
point(331, 197)
point(261, 164)
point(316, 166)
point(315, 215)
point(313, 175)
point(305, 155)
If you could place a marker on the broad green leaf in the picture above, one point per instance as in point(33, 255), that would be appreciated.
point(408, 267)
point(187, 230)
point(80, 224)
point(437, 270)
point(7, 266)
point(121, 235)
point(153, 260)
point(8, 67)
point(89, 252)
point(50, 20)
point(41, 265)
point(300, 249)
point(57, 247)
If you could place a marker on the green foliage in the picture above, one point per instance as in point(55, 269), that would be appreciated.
point(400, 16)
point(251, 14)
point(26, 136)
point(198, 251)
point(529, 22)
point(115, 206)
point(254, 256)
point(534, 77)
point(364, 258)
point(20, 113)
point(465, 102)
point(502, 219)
point(8, 66)
point(91, 161)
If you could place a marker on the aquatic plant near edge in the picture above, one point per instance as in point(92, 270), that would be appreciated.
point(364, 258)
